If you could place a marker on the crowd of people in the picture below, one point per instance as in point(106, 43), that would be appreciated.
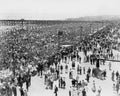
point(98, 51)
point(93, 51)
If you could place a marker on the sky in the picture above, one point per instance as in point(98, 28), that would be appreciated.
point(57, 9)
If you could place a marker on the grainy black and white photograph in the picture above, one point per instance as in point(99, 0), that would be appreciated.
point(59, 47)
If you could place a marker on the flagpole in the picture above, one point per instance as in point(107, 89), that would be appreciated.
point(60, 33)
point(58, 43)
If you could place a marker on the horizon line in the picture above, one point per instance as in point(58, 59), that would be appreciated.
point(64, 19)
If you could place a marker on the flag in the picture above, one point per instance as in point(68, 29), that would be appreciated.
point(60, 33)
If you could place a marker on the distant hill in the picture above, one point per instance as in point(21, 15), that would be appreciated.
point(96, 18)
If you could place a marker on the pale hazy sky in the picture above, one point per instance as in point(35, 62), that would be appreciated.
point(57, 9)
